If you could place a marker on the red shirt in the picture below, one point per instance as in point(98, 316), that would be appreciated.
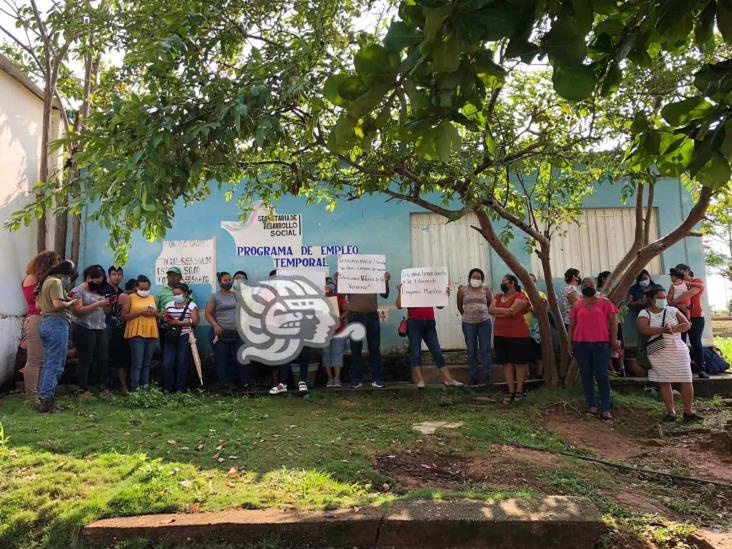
point(511, 326)
point(29, 292)
point(696, 307)
point(421, 313)
point(591, 325)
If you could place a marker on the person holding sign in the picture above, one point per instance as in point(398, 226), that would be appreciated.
point(363, 308)
point(512, 340)
point(473, 302)
point(421, 326)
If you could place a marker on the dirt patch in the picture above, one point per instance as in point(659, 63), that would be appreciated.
point(504, 469)
point(640, 502)
point(691, 454)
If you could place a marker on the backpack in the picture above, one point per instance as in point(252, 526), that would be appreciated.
point(714, 362)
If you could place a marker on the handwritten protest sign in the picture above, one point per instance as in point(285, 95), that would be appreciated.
point(195, 258)
point(361, 274)
point(424, 287)
point(316, 276)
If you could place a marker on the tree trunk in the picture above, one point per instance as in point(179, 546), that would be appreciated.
point(539, 306)
point(564, 357)
point(647, 253)
point(48, 93)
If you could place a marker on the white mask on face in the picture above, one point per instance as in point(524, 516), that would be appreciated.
point(143, 293)
point(475, 283)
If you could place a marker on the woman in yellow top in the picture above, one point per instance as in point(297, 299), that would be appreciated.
point(141, 330)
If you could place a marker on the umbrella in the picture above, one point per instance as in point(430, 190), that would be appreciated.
point(196, 356)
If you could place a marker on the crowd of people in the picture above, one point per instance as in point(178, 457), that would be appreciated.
point(117, 329)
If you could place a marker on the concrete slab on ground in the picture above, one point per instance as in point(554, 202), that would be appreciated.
point(549, 521)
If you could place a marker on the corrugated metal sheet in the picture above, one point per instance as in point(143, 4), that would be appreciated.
point(436, 243)
point(597, 243)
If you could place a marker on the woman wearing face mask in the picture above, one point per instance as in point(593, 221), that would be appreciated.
point(638, 293)
point(141, 330)
point(569, 294)
point(593, 331)
point(512, 341)
point(90, 329)
point(473, 302)
point(55, 306)
point(671, 364)
point(35, 272)
point(224, 338)
point(182, 315)
point(240, 276)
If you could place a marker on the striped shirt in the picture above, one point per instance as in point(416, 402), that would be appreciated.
point(175, 312)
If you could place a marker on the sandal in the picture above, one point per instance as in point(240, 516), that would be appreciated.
point(518, 395)
point(509, 398)
point(669, 418)
point(607, 418)
point(693, 416)
point(277, 389)
point(591, 412)
point(302, 387)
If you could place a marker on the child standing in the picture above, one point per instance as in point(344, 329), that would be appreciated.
point(333, 353)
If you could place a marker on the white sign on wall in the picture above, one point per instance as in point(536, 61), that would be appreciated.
point(266, 233)
point(361, 274)
point(195, 258)
point(424, 287)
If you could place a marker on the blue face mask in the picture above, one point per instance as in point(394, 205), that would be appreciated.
point(661, 303)
point(179, 298)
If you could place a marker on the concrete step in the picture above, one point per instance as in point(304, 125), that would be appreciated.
point(527, 523)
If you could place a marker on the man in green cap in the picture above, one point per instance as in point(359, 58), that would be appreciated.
point(165, 294)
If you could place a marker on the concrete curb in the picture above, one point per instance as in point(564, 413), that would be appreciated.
point(549, 521)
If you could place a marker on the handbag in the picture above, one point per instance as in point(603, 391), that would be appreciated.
point(172, 334)
point(228, 336)
point(657, 343)
point(402, 330)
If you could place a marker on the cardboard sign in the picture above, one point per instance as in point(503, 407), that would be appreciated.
point(195, 258)
point(424, 287)
point(317, 277)
point(361, 274)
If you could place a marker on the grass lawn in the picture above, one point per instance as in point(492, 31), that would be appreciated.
point(148, 453)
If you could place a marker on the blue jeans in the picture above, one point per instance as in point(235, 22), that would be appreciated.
point(695, 339)
point(373, 341)
point(228, 367)
point(142, 349)
point(54, 332)
point(478, 338)
point(593, 358)
point(418, 330)
point(303, 359)
point(175, 365)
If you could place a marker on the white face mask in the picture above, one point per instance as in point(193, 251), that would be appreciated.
point(143, 293)
point(475, 283)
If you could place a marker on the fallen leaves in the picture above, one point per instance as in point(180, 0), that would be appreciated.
point(233, 472)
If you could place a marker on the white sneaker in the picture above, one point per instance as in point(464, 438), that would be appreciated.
point(277, 389)
point(420, 385)
point(302, 387)
point(331, 383)
point(377, 385)
point(454, 383)
point(357, 385)
point(336, 382)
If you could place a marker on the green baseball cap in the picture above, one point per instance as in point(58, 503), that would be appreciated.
point(174, 270)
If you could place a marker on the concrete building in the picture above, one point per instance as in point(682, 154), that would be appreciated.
point(407, 235)
point(21, 115)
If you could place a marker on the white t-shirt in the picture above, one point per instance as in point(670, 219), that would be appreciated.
point(176, 312)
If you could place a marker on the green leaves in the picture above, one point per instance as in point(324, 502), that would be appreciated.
point(682, 112)
point(574, 83)
point(439, 142)
point(374, 60)
point(446, 55)
point(564, 44)
point(724, 19)
point(715, 173)
point(401, 36)
point(434, 18)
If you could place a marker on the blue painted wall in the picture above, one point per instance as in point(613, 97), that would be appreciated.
point(372, 224)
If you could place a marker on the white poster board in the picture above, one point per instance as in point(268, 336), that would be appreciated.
point(424, 287)
point(316, 276)
point(361, 274)
point(195, 258)
point(266, 233)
